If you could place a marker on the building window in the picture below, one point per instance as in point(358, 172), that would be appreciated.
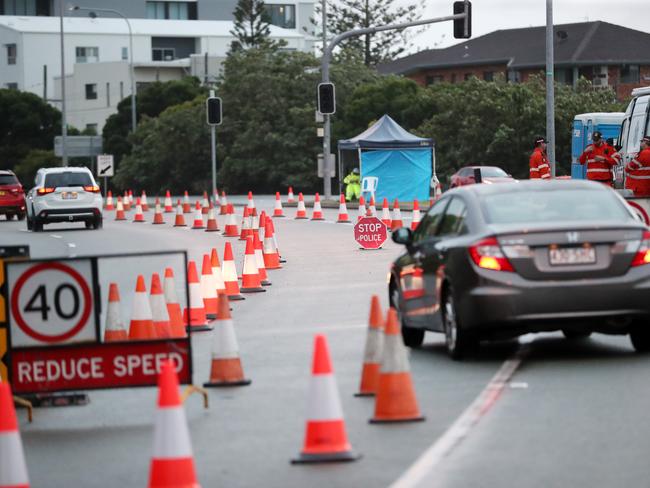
point(25, 7)
point(12, 86)
point(172, 10)
point(163, 54)
point(514, 76)
point(125, 54)
point(630, 73)
point(87, 54)
point(91, 91)
point(91, 129)
point(453, 77)
point(564, 75)
point(467, 76)
point(488, 75)
point(282, 15)
point(431, 79)
point(11, 54)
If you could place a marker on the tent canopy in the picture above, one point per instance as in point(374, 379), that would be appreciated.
point(385, 133)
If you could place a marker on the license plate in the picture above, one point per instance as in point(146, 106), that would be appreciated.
point(2, 193)
point(69, 195)
point(571, 255)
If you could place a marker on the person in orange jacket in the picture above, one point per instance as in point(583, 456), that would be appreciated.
point(598, 158)
point(538, 163)
point(638, 170)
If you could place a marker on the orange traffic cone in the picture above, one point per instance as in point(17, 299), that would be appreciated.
point(172, 464)
point(259, 260)
point(397, 216)
point(159, 313)
point(416, 215)
point(395, 398)
point(325, 437)
point(179, 221)
point(251, 204)
point(158, 216)
point(187, 206)
point(372, 209)
point(213, 226)
point(217, 274)
point(139, 216)
point(114, 329)
point(194, 315)
point(275, 242)
point(373, 350)
point(127, 202)
point(343, 217)
point(205, 204)
point(301, 212)
point(119, 213)
point(144, 201)
point(290, 197)
point(362, 208)
point(231, 229)
point(230, 274)
point(317, 213)
point(278, 211)
point(168, 202)
point(250, 277)
point(198, 217)
point(173, 307)
point(208, 288)
point(270, 253)
point(246, 224)
point(109, 201)
point(261, 228)
point(224, 204)
point(12, 458)
point(141, 326)
point(226, 368)
point(385, 214)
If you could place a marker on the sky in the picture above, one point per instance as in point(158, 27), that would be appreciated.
point(491, 15)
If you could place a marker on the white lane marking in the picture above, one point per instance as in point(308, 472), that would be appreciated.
point(461, 428)
point(56, 236)
point(71, 244)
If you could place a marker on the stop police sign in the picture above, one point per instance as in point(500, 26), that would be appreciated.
point(370, 232)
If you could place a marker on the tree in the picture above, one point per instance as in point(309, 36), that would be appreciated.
point(345, 15)
point(32, 162)
point(251, 25)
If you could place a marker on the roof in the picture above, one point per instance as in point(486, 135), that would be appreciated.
point(385, 133)
point(585, 43)
point(147, 27)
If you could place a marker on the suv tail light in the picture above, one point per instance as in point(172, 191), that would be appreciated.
point(44, 191)
point(92, 188)
point(643, 253)
point(487, 254)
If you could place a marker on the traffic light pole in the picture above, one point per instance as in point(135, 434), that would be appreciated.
point(325, 74)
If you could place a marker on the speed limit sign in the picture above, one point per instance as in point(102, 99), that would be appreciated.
point(51, 303)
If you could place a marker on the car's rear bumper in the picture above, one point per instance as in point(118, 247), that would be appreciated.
point(68, 215)
point(11, 205)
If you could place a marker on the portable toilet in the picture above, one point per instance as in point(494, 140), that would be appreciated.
point(584, 125)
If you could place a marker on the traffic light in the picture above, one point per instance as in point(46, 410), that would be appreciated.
point(213, 110)
point(459, 24)
point(326, 98)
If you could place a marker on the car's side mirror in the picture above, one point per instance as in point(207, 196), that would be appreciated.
point(403, 235)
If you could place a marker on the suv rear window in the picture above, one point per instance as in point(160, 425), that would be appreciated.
point(8, 180)
point(67, 178)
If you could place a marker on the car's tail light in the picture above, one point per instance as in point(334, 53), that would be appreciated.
point(92, 188)
point(44, 191)
point(16, 191)
point(487, 254)
point(643, 253)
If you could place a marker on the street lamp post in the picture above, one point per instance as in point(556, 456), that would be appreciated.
point(119, 14)
point(64, 122)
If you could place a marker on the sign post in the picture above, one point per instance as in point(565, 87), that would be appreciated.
point(370, 233)
point(105, 168)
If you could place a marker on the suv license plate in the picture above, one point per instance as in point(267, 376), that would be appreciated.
point(2, 193)
point(568, 256)
point(69, 195)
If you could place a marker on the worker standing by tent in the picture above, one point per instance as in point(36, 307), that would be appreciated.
point(353, 188)
point(538, 163)
point(598, 158)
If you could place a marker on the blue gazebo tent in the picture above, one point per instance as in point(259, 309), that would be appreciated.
point(402, 162)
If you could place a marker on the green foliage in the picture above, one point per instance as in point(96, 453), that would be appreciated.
point(35, 159)
point(251, 25)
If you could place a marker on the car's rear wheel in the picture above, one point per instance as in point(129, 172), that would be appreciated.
point(37, 226)
point(29, 223)
point(99, 223)
point(459, 341)
point(21, 216)
point(9, 216)
point(575, 335)
point(640, 337)
point(411, 336)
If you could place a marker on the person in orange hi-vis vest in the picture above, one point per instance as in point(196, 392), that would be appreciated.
point(638, 171)
point(598, 158)
point(539, 167)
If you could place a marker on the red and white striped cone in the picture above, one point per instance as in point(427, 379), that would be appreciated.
point(114, 329)
point(144, 202)
point(250, 276)
point(275, 242)
point(290, 197)
point(261, 228)
point(198, 217)
point(109, 201)
point(246, 224)
point(317, 213)
point(231, 229)
point(397, 216)
point(278, 211)
point(131, 198)
point(141, 325)
point(187, 206)
point(372, 209)
point(437, 191)
point(373, 350)
point(159, 312)
point(215, 198)
point(343, 217)
point(217, 274)
point(259, 260)
point(230, 274)
point(385, 214)
point(251, 204)
point(173, 306)
point(226, 368)
point(301, 211)
point(168, 202)
point(127, 202)
point(158, 216)
point(212, 226)
point(119, 213)
point(271, 256)
point(205, 204)
point(255, 223)
point(208, 288)
point(362, 208)
point(415, 220)
point(13, 469)
point(139, 216)
point(326, 439)
point(179, 221)
point(224, 204)
point(194, 315)
point(172, 462)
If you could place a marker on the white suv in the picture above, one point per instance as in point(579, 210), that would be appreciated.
point(64, 194)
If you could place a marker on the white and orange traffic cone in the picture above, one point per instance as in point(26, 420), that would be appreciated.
point(127, 202)
point(141, 325)
point(215, 198)
point(301, 211)
point(395, 397)
point(159, 312)
point(109, 201)
point(139, 216)
point(176, 323)
point(212, 226)
point(290, 197)
point(119, 213)
point(437, 192)
point(397, 216)
point(144, 202)
point(343, 217)
point(158, 216)
point(261, 228)
point(326, 439)
point(385, 214)
point(362, 208)
point(259, 260)
point(13, 469)
point(278, 211)
point(205, 204)
point(251, 204)
point(275, 242)
point(114, 330)
point(250, 277)
point(198, 217)
point(231, 229)
point(255, 222)
point(224, 204)
point(270, 253)
point(217, 274)
point(230, 274)
point(194, 315)
point(187, 206)
point(372, 209)
point(416, 215)
point(317, 213)
point(225, 368)
point(168, 202)
point(208, 288)
point(179, 221)
point(131, 198)
point(246, 229)
point(172, 462)
point(373, 350)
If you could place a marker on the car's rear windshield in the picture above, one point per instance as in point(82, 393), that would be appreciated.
point(492, 172)
point(67, 178)
point(8, 180)
point(553, 206)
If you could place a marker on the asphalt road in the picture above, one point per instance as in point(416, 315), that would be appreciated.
point(564, 414)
